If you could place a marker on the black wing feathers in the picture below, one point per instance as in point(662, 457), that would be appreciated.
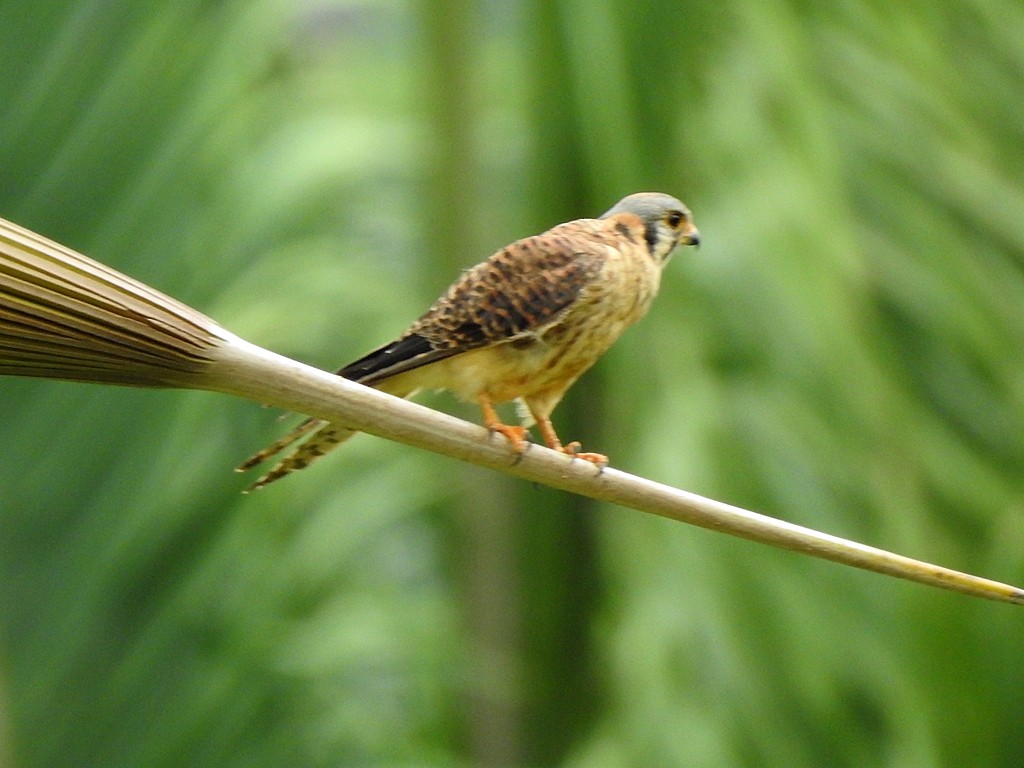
point(390, 359)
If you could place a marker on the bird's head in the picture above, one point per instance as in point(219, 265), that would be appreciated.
point(666, 222)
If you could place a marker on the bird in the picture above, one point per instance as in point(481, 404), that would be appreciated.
point(521, 326)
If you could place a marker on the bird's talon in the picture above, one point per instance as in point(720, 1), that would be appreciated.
point(516, 436)
point(597, 459)
point(572, 450)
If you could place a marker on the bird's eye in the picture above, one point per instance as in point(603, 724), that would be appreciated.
point(674, 218)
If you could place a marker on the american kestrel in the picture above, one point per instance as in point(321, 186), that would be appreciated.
point(522, 325)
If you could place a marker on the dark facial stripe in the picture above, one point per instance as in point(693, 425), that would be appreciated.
point(651, 235)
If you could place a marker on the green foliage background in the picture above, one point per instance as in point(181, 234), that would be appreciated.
point(846, 351)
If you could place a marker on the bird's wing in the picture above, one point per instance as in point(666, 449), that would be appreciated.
point(516, 292)
point(410, 351)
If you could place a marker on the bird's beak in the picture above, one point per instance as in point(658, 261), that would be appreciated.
point(691, 238)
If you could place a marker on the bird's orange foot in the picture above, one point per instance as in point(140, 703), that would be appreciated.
point(516, 435)
point(573, 450)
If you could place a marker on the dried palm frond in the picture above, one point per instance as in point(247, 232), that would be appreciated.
point(65, 316)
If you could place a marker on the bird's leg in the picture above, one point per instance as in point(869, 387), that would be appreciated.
point(547, 430)
point(516, 435)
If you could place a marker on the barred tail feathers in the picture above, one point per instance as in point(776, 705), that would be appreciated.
point(323, 436)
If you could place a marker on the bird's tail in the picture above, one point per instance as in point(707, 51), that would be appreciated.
point(325, 436)
point(317, 438)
